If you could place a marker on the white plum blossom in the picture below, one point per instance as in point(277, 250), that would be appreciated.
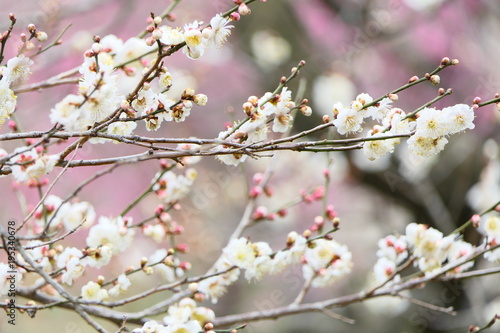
point(490, 225)
point(380, 110)
point(29, 165)
point(52, 211)
point(157, 232)
point(171, 36)
point(394, 248)
point(457, 251)
point(93, 292)
point(171, 187)
point(459, 117)
point(67, 113)
point(191, 326)
point(186, 314)
point(112, 231)
point(165, 79)
point(18, 69)
point(98, 257)
point(7, 101)
point(425, 146)
point(121, 127)
point(132, 49)
point(431, 124)
point(325, 262)
point(169, 273)
point(79, 213)
point(218, 31)
point(240, 252)
point(216, 286)
point(384, 269)
point(374, 149)
point(150, 327)
point(122, 285)
point(146, 100)
point(347, 120)
point(433, 250)
point(182, 111)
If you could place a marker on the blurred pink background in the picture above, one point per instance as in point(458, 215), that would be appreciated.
point(350, 47)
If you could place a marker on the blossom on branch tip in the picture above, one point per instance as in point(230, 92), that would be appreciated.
point(219, 31)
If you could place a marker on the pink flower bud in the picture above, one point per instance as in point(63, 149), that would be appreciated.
point(255, 191)
point(13, 125)
point(282, 212)
point(318, 193)
point(258, 178)
point(234, 16)
point(268, 191)
point(159, 209)
point(183, 248)
point(259, 213)
point(475, 220)
point(243, 9)
point(185, 265)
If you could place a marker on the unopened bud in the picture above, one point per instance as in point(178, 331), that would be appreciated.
point(144, 261)
point(326, 119)
point(41, 36)
point(148, 270)
point(200, 99)
point(150, 41)
point(31, 28)
point(157, 34)
point(306, 110)
point(243, 9)
point(455, 62)
point(96, 48)
point(445, 61)
point(441, 91)
point(476, 100)
point(188, 93)
point(234, 16)
point(413, 79)
point(100, 279)
point(157, 19)
point(475, 219)
point(393, 97)
point(435, 79)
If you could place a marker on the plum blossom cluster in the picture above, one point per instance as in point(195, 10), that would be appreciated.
point(324, 261)
point(102, 89)
point(428, 246)
point(184, 317)
point(434, 125)
point(260, 111)
point(431, 126)
point(55, 214)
